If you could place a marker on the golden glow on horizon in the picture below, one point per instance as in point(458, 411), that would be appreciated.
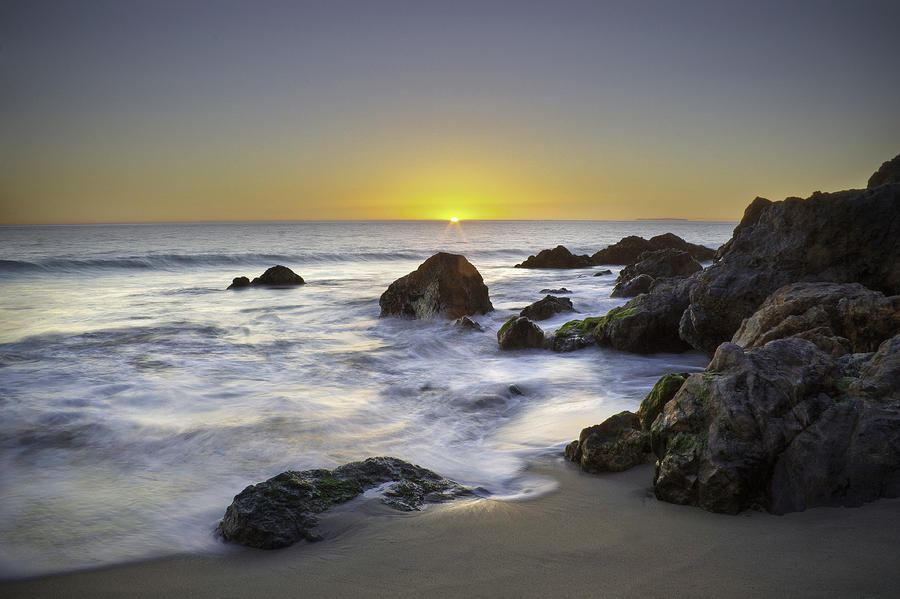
point(454, 219)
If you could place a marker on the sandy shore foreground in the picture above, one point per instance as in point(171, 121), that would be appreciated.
point(596, 536)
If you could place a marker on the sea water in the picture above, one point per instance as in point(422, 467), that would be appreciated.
point(138, 396)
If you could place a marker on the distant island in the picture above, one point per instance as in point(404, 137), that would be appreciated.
point(675, 219)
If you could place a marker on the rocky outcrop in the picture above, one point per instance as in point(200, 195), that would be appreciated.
point(887, 174)
point(623, 440)
point(838, 318)
point(785, 426)
point(843, 237)
point(445, 285)
point(547, 307)
point(558, 257)
point(632, 287)
point(661, 264)
point(283, 510)
point(604, 272)
point(630, 248)
point(276, 276)
point(520, 333)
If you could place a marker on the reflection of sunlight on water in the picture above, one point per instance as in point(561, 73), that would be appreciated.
point(454, 227)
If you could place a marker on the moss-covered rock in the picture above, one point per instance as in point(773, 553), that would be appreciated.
point(617, 444)
point(664, 390)
point(576, 334)
point(282, 510)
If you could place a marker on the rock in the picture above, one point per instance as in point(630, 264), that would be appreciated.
point(239, 283)
point(518, 333)
point(547, 307)
point(661, 263)
point(838, 318)
point(467, 323)
point(844, 237)
point(663, 391)
point(632, 287)
point(613, 446)
point(630, 248)
point(558, 257)
point(784, 426)
point(278, 275)
point(445, 285)
point(283, 510)
point(601, 273)
point(555, 291)
point(887, 174)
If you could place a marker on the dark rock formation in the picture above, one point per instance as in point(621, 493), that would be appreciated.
point(632, 287)
point(784, 426)
point(887, 173)
point(239, 282)
point(843, 237)
point(276, 276)
point(555, 291)
point(603, 272)
point(467, 323)
point(630, 248)
point(661, 263)
point(558, 257)
point(519, 333)
point(547, 307)
point(445, 285)
point(282, 510)
point(663, 391)
point(613, 446)
point(838, 318)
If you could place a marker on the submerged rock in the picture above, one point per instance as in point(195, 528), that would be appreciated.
point(558, 257)
point(519, 333)
point(467, 323)
point(784, 426)
point(630, 248)
point(276, 276)
point(547, 307)
point(445, 285)
point(283, 510)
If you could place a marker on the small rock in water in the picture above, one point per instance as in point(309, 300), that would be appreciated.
point(547, 307)
point(239, 282)
point(600, 273)
point(558, 257)
point(520, 333)
point(283, 510)
point(467, 323)
point(276, 276)
point(560, 290)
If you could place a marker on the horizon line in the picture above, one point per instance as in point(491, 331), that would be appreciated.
point(356, 220)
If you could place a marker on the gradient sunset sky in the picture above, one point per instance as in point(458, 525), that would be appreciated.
point(127, 111)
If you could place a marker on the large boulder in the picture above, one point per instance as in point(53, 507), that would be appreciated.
point(838, 318)
point(283, 510)
point(547, 307)
point(887, 174)
point(520, 333)
point(843, 237)
point(558, 257)
point(632, 287)
point(785, 426)
point(617, 444)
point(630, 248)
point(660, 264)
point(445, 285)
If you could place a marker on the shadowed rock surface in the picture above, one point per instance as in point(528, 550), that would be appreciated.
point(615, 445)
point(283, 510)
point(838, 318)
point(520, 333)
point(887, 173)
point(632, 287)
point(445, 285)
point(547, 307)
point(630, 248)
point(843, 237)
point(785, 426)
point(558, 257)
point(661, 264)
point(276, 276)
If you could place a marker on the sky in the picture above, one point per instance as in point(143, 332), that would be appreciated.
point(131, 111)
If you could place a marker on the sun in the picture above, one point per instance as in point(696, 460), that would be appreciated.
point(454, 219)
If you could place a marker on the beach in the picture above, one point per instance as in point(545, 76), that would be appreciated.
point(596, 535)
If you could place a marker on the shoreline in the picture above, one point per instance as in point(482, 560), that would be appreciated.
point(603, 534)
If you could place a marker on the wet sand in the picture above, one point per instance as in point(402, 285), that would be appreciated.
point(594, 536)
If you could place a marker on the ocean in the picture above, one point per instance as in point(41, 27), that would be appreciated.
point(138, 396)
